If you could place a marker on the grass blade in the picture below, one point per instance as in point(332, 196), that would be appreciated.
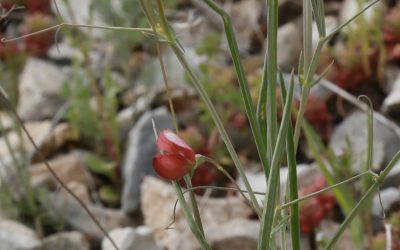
point(273, 181)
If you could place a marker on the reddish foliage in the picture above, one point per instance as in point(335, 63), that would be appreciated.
point(39, 44)
point(313, 210)
point(38, 6)
point(8, 50)
point(318, 115)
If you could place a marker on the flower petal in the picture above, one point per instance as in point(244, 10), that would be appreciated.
point(169, 142)
point(171, 167)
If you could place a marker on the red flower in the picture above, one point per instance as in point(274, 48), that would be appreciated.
point(176, 158)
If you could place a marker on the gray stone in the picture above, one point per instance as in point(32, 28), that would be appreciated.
point(391, 104)
point(327, 230)
point(351, 8)
point(245, 15)
point(68, 209)
point(158, 199)
point(66, 241)
point(69, 167)
point(392, 180)
point(39, 89)
point(237, 234)
point(82, 14)
point(290, 44)
point(140, 238)
point(305, 175)
point(140, 150)
point(354, 128)
point(151, 74)
point(389, 198)
point(15, 236)
point(331, 23)
point(64, 51)
point(392, 73)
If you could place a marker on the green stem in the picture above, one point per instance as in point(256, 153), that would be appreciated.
point(192, 224)
point(244, 87)
point(367, 196)
point(271, 74)
point(193, 202)
point(273, 182)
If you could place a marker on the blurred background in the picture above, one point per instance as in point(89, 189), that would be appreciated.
point(88, 96)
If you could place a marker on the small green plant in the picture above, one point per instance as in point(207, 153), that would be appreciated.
point(87, 120)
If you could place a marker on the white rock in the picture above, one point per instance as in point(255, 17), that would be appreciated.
point(245, 16)
point(39, 89)
point(72, 213)
point(158, 199)
point(82, 14)
point(389, 197)
point(237, 234)
point(63, 51)
point(128, 238)
point(15, 236)
point(327, 231)
point(289, 45)
point(355, 129)
point(350, 8)
point(140, 149)
point(305, 175)
point(69, 167)
point(331, 23)
point(391, 104)
point(66, 241)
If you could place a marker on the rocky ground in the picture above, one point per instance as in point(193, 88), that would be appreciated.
point(88, 99)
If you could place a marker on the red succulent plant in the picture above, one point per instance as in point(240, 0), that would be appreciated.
point(313, 210)
point(39, 44)
point(175, 159)
point(38, 6)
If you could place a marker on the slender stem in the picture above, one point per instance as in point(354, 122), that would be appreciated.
point(192, 224)
point(293, 192)
point(271, 74)
point(59, 26)
point(222, 170)
point(351, 216)
point(195, 207)
point(273, 181)
point(291, 203)
point(367, 196)
point(244, 87)
point(300, 114)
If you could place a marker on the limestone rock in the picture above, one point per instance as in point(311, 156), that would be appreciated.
point(15, 236)
point(66, 241)
point(140, 149)
point(39, 89)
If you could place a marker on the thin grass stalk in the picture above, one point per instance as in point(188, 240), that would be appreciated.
point(343, 195)
point(193, 202)
point(365, 183)
point(192, 223)
point(331, 187)
point(270, 70)
point(293, 189)
point(352, 215)
point(204, 96)
point(244, 87)
point(273, 181)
